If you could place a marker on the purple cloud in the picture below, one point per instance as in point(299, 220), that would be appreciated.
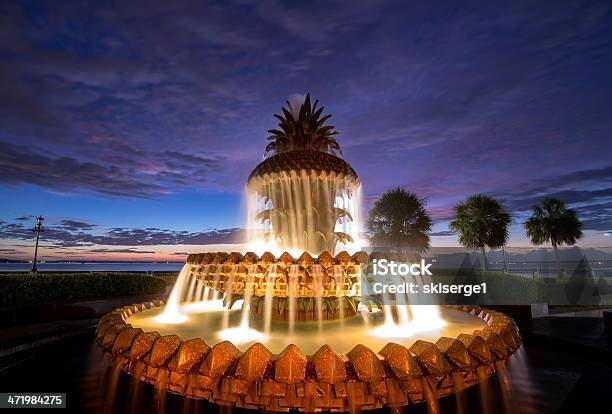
point(126, 101)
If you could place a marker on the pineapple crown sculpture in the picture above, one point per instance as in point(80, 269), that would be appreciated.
point(306, 131)
point(305, 189)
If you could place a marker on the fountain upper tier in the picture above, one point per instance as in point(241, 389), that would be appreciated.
point(298, 160)
point(303, 200)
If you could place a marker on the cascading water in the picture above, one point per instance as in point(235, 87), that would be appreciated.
point(317, 273)
point(405, 314)
point(301, 199)
point(229, 291)
point(403, 319)
point(172, 312)
point(270, 280)
point(248, 289)
point(299, 211)
point(294, 271)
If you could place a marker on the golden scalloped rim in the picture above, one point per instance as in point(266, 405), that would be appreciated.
point(325, 259)
point(257, 378)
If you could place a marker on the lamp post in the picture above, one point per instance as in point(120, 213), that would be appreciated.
point(37, 229)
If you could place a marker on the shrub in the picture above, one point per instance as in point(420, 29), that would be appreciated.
point(168, 277)
point(48, 287)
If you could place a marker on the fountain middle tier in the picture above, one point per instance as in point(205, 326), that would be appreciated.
point(300, 289)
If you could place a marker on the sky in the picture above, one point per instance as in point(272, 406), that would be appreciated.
point(132, 126)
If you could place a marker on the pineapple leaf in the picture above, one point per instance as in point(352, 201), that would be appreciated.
point(304, 131)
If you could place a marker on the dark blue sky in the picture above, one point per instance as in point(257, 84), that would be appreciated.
point(140, 121)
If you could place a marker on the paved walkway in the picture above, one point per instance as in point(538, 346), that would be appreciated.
point(14, 339)
point(592, 313)
point(21, 338)
point(582, 335)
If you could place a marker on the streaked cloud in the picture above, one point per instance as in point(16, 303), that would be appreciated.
point(78, 234)
point(138, 104)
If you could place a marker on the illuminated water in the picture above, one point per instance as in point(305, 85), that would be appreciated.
point(341, 335)
point(298, 211)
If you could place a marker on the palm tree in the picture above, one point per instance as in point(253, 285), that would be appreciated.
point(303, 129)
point(481, 222)
point(555, 223)
point(399, 220)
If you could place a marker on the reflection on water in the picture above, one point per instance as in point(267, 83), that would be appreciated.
point(343, 335)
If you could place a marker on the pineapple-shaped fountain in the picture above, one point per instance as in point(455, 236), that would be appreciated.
point(305, 265)
point(303, 198)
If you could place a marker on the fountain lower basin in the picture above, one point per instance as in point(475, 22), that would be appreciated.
point(364, 328)
point(279, 375)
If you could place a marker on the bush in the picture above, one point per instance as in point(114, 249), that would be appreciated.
point(168, 277)
point(48, 287)
point(512, 289)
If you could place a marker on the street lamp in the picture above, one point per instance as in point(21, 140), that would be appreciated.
point(37, 229)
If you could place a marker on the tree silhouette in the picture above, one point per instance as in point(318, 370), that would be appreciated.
point(399, 220)
point(553, 223)
point(481, 222)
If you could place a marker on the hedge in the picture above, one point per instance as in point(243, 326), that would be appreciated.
point(48, 287)
point(168, 277)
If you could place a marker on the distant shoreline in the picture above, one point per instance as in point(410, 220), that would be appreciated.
point(44, 267)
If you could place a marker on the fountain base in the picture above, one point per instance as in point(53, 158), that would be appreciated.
point(324, 380)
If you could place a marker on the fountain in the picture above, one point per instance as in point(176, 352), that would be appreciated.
point(285, 325)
